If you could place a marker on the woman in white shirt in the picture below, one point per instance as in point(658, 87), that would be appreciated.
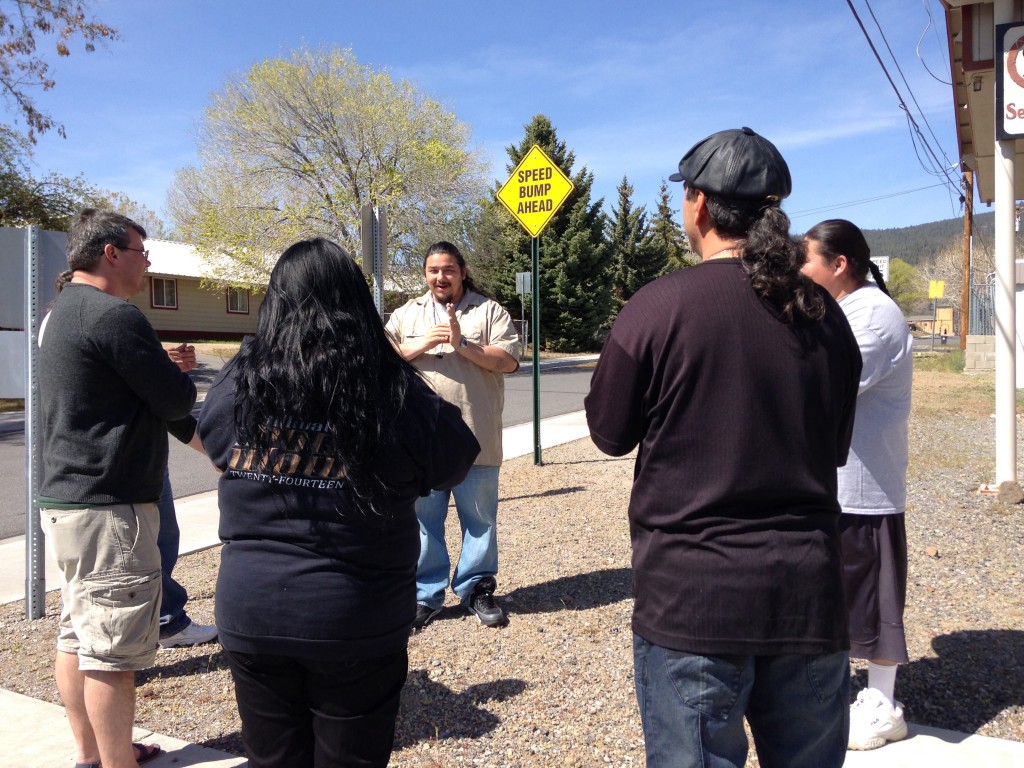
point(873, 484)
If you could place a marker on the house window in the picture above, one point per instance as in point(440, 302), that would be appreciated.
point(238, 301)
point(164, 293)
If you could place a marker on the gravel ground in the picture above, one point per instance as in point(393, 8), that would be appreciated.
point(555, 687)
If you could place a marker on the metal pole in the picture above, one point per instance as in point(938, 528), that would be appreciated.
point(522, 324)
point(35, 562)
point(934, 312)
point(378, 263)
point(1006, 314)
point(535, 312)
point(965, 280)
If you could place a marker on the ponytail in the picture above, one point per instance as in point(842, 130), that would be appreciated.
point(63, 278)
point(771, 258)
point(876, 273)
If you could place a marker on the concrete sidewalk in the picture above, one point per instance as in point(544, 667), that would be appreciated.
point(35, 734)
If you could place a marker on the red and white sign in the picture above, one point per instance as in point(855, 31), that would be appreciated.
point(1010, 81)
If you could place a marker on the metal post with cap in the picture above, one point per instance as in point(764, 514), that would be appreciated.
point(373, 234)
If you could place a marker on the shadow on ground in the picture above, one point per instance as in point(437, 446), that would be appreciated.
point(551, 492)
point(585, 590)
point(431, 710)
point(203, 375)
point(167, 665)
point(977, 675)
point(229, 742)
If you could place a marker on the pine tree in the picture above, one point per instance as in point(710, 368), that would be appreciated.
point(637, 257)
point(669, 235)
point(575, 299)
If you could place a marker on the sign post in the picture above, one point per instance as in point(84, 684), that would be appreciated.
point(533, 194)
point(524, 287)
point(882, 262)
point(1009, 81)
point(373, 234)
point(936, 291)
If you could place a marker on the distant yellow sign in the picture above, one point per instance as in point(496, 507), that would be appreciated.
point(936, 289)
point(535, 191)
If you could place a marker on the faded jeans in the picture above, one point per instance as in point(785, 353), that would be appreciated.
point(476, 503)
point(173, 618)
point(692, 708)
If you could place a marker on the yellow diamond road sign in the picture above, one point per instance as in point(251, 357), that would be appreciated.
point(535, 190)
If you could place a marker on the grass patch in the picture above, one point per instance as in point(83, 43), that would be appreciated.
point(8, 405)
point(952, 362)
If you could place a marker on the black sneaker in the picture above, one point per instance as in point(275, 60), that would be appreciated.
point(482, 605)
point(424, 615)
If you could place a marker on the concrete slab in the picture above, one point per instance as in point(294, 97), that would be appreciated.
point(928, 747)
point(36, 734)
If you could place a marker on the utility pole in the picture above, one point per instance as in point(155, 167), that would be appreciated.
point(965, 286)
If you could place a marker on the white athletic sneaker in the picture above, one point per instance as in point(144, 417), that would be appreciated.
point(193, 634)
point(874, 721)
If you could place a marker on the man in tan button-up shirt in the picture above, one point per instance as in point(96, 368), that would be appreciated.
point(463, 343)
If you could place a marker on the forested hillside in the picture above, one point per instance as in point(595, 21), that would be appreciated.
point(918, 243)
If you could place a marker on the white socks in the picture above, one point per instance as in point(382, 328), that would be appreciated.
point(882, 677)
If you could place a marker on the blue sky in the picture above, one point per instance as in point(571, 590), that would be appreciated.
point(629, 87)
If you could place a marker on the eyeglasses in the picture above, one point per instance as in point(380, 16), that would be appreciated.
point(144, 252)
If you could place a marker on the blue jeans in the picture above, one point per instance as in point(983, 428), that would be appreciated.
point(173, 618)
point(476, 503)
point(692, 708)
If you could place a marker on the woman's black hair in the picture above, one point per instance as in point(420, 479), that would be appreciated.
point(839, 236)
point(320, 355)
point(770, 256)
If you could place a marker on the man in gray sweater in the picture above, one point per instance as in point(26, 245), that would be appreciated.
point(109, 395)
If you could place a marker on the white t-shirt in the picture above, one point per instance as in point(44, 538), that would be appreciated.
point(874, 480)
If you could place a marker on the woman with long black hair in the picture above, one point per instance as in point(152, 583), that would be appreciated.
point(326, 437)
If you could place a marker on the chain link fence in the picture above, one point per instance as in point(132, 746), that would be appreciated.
point(982, 312)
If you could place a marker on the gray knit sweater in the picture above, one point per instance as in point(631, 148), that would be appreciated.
point(109, 393)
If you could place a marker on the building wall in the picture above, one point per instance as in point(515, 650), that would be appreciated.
point(944, 321)
point(980, 355)
point(201, 314)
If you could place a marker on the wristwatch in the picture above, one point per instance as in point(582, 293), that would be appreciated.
point(463, 342)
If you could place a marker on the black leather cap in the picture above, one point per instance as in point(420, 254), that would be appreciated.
point(736, 163)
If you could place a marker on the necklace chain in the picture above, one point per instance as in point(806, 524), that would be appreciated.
point(719, 255)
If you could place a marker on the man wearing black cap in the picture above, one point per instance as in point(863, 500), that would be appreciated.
point(738, 380)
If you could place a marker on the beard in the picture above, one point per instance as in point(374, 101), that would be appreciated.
point(445, 296)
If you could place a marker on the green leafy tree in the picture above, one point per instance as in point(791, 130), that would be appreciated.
point(575, 296)
point(52, 201)
point(294, 148)
point(637, 257)
point(906, 286)
point(137, 212)
point(482, 242)
point(23, 67)
point(669, 235)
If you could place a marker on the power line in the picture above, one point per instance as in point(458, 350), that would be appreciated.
point(917, 136)
point(837, 206)
point(935, 28)
point(904, 78)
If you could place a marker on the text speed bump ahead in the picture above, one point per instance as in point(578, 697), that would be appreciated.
point(535, 191)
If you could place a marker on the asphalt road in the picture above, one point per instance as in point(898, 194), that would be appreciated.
point(563, 384)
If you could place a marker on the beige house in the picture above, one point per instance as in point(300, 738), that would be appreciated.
point(179, 309)
point(943, 322)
